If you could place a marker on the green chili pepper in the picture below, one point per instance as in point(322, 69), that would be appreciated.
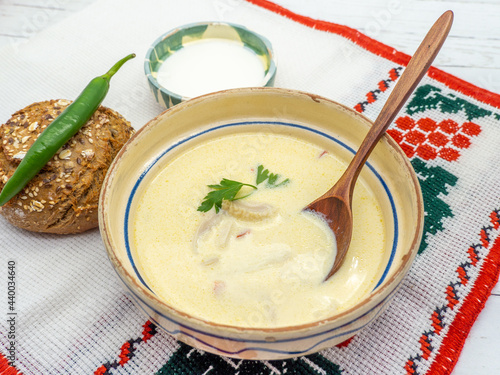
point(59, 132)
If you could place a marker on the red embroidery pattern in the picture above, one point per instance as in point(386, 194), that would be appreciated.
point(437, 321)
point(127, 350)
point(6, 368)
point(473, 255)
point(462, 274)
point(344, 344)
point(383, 85)
point(452, 297)
point(425, 345)
point(429, 139)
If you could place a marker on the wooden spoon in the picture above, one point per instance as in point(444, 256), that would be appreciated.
point(336, 203)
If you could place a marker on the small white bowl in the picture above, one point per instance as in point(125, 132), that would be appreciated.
point(173, 41)
point(388, 172)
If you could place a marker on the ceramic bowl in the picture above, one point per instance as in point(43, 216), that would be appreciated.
point(388, 172)
point(172, 41)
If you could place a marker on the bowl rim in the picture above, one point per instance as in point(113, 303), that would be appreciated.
point(268, 77)
point(371, 301)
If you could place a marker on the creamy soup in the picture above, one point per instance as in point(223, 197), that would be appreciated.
point(261, 260)
point(210, 65)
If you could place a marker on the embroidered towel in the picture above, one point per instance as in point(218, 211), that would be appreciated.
point(72, 314)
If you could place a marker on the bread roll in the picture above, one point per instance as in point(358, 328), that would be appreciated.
point(63, 196)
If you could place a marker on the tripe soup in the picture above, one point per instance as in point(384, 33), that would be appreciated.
point(261, 260)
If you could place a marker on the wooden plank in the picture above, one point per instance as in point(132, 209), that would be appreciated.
point(21, 19)
point(473, 41)
point(480, 354)
point(71, 5)
point(471, 53)
point(399, 24)
point(24, 22)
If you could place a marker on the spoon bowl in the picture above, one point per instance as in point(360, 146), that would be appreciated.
point(335, 204)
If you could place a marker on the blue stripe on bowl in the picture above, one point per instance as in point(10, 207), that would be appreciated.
point(146, 171)
point(380, 307)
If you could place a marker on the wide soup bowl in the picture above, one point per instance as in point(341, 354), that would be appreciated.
point(259, 110)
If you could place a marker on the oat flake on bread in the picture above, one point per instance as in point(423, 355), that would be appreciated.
point(63, 196)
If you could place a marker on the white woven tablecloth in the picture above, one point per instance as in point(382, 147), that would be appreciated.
point(72, 314)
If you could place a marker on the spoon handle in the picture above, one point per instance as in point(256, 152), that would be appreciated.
point(414, 72)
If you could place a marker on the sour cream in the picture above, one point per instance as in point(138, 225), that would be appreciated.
point(210, 65)
point(232, 268)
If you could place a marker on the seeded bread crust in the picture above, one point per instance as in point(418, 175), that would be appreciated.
point(62, 198)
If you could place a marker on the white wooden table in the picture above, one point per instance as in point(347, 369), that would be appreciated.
point(472, 52)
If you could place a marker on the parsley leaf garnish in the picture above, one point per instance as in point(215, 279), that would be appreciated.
point(263, 175)
point(227, 189)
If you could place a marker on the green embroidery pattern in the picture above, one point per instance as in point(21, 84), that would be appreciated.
point(187, 360)
point(429, 97)
point(434, 181)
